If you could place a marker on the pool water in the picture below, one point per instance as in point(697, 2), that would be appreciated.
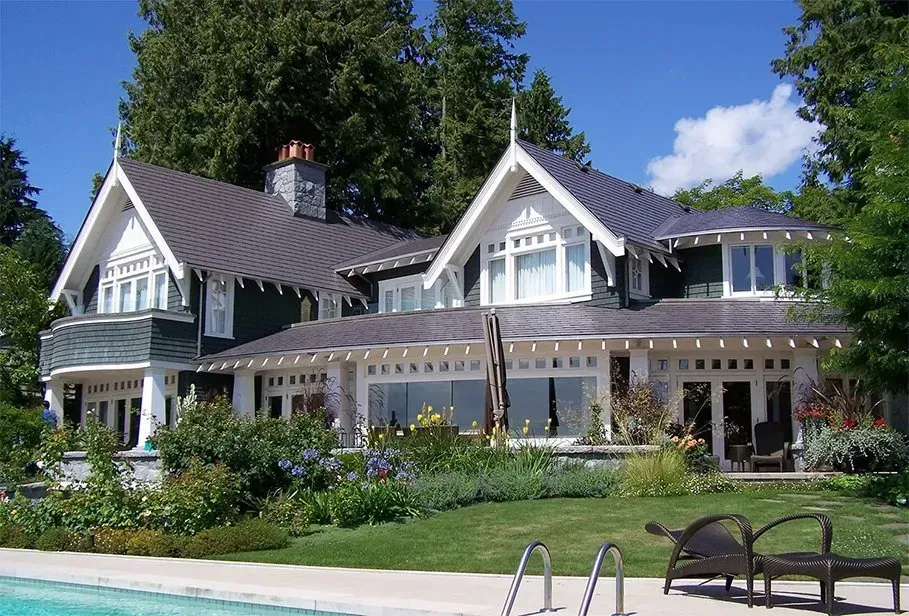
point(20, 597)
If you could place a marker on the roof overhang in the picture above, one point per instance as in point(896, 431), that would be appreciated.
point(807, 232)
point(381, 265)
point(499, 184)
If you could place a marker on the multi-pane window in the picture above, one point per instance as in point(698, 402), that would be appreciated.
point(497, 283)
point(637, 278)
point(329, 306)
point(407, 293)
point(751, 267)
point(535, 274)
point(575, 268)
point(138, 284)
point(219, 317)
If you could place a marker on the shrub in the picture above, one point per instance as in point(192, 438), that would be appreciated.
point(56, 539)
point(891, 489)
point(199, 497)
point(112, 540)
point(596, 430)
point(248, 446)
point(662, 473)
point(247, 536)
point(579, 481)
point(16, 537)
point(365, 502)
point(145, 542)
point(511, 485)
point(287, 511)
point(639, 416)
point(318, 504)
point(710, 483)
point(20, 435)
point(444, 492)
point(859, 445)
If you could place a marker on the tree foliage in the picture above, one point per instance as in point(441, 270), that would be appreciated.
point(17, 206)
point(543, 120)
point(830, 53)
point(734, 192)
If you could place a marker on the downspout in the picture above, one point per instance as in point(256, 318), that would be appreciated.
point(201, 315)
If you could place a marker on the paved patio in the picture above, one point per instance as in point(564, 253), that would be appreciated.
point(404, 593)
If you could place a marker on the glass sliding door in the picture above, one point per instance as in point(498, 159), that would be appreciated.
point(779, 405)
point(736, 413)
point(697, 408)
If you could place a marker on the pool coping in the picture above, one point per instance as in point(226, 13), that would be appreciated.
point(128, 573)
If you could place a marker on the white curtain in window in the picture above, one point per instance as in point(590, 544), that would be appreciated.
point(497, 284)
point(107, 299)
point(161, 291)
point(428, 297)
point(389, 301)
point(408, 299)
point(217, 302)
point(575, 265)
point(141, 293)
point(126, 296)
point(536, 274)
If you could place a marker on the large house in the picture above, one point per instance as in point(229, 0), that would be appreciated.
point(176, 280)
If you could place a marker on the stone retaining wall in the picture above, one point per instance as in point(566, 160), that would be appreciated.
point(146, 465)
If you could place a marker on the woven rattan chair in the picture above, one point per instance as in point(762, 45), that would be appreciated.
point(706, 548)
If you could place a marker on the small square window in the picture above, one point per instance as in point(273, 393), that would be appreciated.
point(271, 382)
point(323, 378)
point(700, 364)
point(293, 380)
point(716, 364)
point(399, 368)
point(528, 241)
point(517, 243)
point(501, 245)
point(732, 364)
point(428, 367)
point(413, 368)
point(663, 364)
point(443, 366)
point(749, 364)
point(540, 363)
point(371, 370)
point(541, 239)
point(567, 233)
point(784, 364)
point(491, 248)
point(459, 365)
point(552, 237)
point(557, 362)
point(386, 369)
point(683, 364)
point(312, 378)
point(574, 362)
point(474, 365)
point(280, 380)
point(768, 364)
point(509, 364)
point(580, 231)
point(592, 362)
point(523, 364)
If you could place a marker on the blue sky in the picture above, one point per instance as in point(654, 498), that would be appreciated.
point(630, 71)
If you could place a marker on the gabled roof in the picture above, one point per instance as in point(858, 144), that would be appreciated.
point(423, 247)
point(626, 210)
point(744, 218)
point(680, 318)
point(214, 225)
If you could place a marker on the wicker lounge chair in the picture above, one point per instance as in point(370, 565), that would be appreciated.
point(706, 548)
point(770, 446)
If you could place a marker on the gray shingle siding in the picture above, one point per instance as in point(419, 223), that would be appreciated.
point(472, 279)
point(91, 343)
point(90, 292)
point(602, 294)
point(702, 271)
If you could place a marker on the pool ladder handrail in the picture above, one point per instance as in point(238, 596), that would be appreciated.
point(606, 548)
point(533, 546)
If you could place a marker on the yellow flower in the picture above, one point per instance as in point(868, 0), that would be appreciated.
point(546, 427)
point(474, 424)
point(419, 416)
point(527, 422)
point(382, 436)
point(549, 421)
point(429, 408)
point(526, 430)
point(412, 427)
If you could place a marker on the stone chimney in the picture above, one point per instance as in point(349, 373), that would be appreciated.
point(298, 179)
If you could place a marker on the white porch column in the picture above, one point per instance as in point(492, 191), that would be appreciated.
point(361, 411)
point(152, 412)
point(244, 398)
point(639, 366)
point(804, 376)
point(53, 395)
point(604, 390)
point(338, 396)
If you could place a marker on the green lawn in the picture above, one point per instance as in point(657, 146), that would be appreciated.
point(489, 538)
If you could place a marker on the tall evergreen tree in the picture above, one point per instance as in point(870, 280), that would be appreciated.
point(17, 206)
point(473, 76)
point(543, 120)
point(219, 85)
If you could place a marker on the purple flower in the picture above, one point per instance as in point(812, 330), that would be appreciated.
point(352, 476)
point(284, 465)
point(298, 471)
point(331, 464)
point(310, 453)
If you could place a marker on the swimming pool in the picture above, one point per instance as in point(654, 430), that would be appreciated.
point(21, 597)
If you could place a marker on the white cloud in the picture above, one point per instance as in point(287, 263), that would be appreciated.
point(763, 137)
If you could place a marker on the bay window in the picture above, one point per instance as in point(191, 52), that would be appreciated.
point(536, 265)
point(138, 284)
point(219, 308)
point(751, 268)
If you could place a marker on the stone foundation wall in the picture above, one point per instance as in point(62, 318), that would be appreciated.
point(146, 465)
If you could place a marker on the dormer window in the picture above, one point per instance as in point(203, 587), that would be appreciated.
point(406, 293)
point(638, 277)
point(329, 306)
point(219, 306)
point(129, 286)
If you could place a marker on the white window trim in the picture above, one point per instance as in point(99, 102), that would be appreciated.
point(416, 281)
point(510, 254)
point(644, 291)
point(145, 265)
point(336, 312)
point(753, 292)
point(229, 308)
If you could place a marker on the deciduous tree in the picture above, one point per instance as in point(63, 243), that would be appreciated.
point(736, 191)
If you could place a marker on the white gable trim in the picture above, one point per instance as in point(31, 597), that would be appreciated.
point(466, 227)
point(98, 216)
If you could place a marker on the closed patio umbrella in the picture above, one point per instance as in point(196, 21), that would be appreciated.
point(497, 401)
